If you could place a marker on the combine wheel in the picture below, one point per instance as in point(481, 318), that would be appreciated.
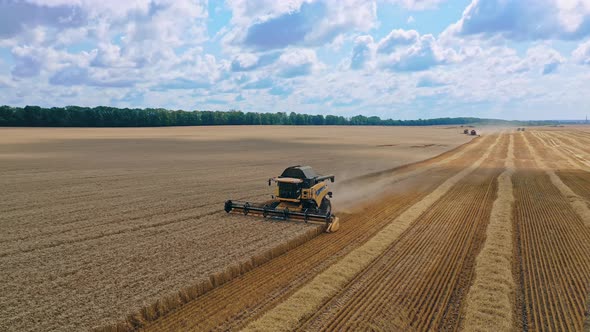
point(326, 206)
point(334, 223)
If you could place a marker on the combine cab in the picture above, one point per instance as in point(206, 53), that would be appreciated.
point(301, 194)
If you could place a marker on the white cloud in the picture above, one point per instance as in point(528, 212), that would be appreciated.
point(423, 54)
point(244, 62)
point(31, 61)
point(581, 54)
point(362, 52)
point(314, 56)
point(418, 4)
point(247, 11)
point(109, 55)
point(402, 51)
point(5, 83)
point(297, 23)
point(298, 62)
point(430, 81)
point(526, 20)
point(397, 38)
point(540, 58)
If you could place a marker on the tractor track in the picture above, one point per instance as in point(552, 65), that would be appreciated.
point(552, 246)
point(425, 273)
point(576, 153)
point(232, 305)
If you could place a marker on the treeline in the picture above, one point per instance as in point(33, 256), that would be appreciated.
point(103, 116)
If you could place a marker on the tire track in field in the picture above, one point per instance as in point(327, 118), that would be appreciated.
point(574, 175)
point(552, 249)
point(418, 281)
point(541, 158)
point(269, 284)
point(578, 137)
point(489, 304)
point(562, 145)
point(575, 144)
point(305, 301)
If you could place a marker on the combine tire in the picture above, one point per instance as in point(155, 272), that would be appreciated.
point(326, 206)
point(334, 224)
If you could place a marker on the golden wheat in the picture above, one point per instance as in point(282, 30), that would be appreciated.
point(303, 303)
point(489, 305)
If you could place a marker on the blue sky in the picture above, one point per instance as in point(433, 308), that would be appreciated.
point(402, 59)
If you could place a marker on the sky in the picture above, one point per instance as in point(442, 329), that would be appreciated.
point(400, 59)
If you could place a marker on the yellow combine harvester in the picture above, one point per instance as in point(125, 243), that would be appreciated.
point(301, 194)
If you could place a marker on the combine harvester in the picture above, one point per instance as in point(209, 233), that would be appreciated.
point(301, 194)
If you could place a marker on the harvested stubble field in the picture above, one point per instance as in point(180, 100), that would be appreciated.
point(494, 235)
point(100, 224)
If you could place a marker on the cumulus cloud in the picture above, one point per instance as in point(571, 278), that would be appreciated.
point(153, 52)
point(5, 83)
point(18, 16)
point(262, 83)
point(288, 29)
point(397, 38)
point(74, 75)
point(109, 55)
point(108, 43)
point(30, 61)
point(541, 58)
point(298, 62)
point(361, 52)
point(423, 54)
point(581, 55)
point(250, 61)
point(430, 81)
point(526, 20)
point(182, 84)
point(245, 11)
point(418, 4)
point(281, 91)
point(144, 19)
point(298, 23)
point(402, 51)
